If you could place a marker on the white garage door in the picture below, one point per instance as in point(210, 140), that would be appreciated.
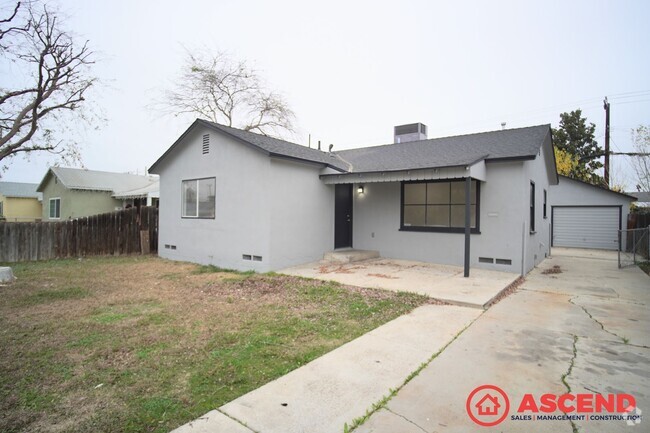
point(586, 227)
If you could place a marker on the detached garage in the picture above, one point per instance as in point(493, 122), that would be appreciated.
point(586, 216)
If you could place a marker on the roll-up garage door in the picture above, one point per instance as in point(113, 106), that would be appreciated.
point(586, 227)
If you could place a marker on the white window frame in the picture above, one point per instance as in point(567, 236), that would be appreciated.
point(198, 194)
point(49, 209)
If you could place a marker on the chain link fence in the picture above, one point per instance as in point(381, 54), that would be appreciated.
point(634, 247)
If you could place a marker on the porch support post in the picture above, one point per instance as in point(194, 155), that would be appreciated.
point(468, 207)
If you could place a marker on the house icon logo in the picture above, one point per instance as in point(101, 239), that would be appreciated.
point(487, 405)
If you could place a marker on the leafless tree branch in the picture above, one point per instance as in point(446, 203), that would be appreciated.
point(229, 92)
point(58, 67)
point(641, 162)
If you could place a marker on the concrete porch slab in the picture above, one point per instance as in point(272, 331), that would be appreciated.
point(442, 282)
point(349, 255)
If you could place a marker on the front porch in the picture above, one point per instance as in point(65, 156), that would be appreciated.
point(442, 282)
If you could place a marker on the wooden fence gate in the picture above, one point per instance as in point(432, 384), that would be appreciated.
point(128, 231)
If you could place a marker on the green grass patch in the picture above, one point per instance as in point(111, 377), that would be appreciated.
point(52, 295)
point(211, 269)
point(645, 267)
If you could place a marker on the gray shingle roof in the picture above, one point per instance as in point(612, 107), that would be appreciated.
point(20, 190)
point(448, 151)
point(91, 180)
point(460, 150)
point(277, 147)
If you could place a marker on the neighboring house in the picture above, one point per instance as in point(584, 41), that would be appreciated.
point(73, 192)
point(587, 216)
point(643, 198)
point(241, 200)
point(20, 202)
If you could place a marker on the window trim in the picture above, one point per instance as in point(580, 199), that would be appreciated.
point(533, 208)
point(49, 209)
point(473, 230)
point(197, 199)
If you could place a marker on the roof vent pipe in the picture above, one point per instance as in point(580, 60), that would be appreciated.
point(331, 147)
point(503, 125)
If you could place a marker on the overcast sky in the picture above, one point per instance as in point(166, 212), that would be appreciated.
point(351, 70)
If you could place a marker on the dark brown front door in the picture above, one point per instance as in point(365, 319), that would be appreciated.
point(343, 216)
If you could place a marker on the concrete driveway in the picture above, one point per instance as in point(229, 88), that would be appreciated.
point(445, 283)
point(578, 324)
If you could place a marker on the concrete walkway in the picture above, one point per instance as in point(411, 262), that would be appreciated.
point(445, 283)
point(332, 390)
point(584, 330)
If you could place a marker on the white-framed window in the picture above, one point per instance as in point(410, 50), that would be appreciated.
point(55, 208)
point(198, 199)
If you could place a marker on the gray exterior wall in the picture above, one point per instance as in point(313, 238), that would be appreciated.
point(302, 214)
point(537, 244)
point(275, 209)
point(504, 222)
point(376, 223)
point(76, 203)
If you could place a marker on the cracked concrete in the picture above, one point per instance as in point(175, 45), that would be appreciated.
point(560, 331)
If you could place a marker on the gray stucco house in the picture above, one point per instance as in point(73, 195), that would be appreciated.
point(74, 192)
point(241, 200)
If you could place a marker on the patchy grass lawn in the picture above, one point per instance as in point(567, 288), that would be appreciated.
point(141, 344)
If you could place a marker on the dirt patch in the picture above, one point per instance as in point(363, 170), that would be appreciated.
point(509, 290)
point(554, 270)
point(339, 269)
point(388, 277)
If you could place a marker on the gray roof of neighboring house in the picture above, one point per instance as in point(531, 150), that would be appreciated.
point(20, 190)
point(643, 197)
point(520, 143)
point(92, 180)
point(153, 190)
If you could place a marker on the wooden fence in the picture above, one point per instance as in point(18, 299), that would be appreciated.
point(638, 220)
point(128, 231)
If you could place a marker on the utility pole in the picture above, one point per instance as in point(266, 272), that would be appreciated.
point(606, 107)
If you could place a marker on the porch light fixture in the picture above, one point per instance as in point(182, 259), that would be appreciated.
point(360, 189)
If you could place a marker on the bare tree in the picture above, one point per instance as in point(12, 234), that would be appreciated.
point(641, 161)
point(47, 85)
point(229, 92)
